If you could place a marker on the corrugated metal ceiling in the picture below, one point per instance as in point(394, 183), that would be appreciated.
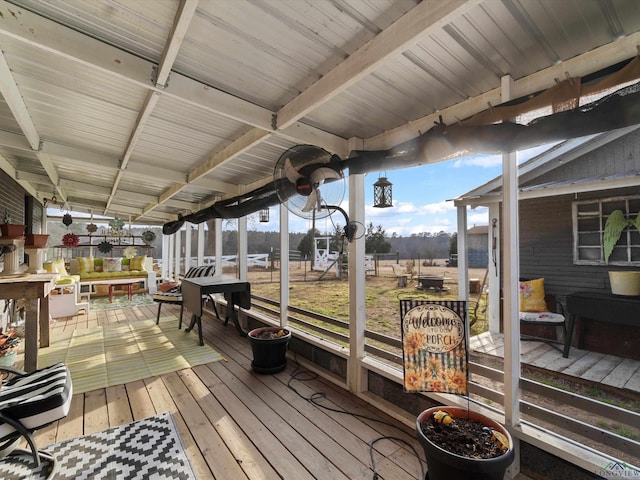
point(250, 78)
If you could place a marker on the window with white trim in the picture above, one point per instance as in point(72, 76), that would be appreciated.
point(589, 218)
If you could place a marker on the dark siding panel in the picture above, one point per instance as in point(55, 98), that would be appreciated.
point(12, 199)
point(546, 246)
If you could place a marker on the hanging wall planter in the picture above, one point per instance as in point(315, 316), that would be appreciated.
point(443, 464)
point(269, 346)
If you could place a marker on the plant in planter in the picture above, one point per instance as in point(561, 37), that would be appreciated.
point(9, 342)
point(622, 282)
point(9, 229)
point(463, 444)
point(269, 347)
point(613, 228)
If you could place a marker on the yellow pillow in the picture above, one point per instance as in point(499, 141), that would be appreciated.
point(56, 266)
point(85, 264)
point(532, 296)
point(137, 263)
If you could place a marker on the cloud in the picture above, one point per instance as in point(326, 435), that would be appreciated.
point(484, 161)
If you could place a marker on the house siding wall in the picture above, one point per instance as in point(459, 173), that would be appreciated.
point(546, 245)
point(12, 199)
point(22, 207)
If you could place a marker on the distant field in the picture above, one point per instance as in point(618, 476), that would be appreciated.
point(330, 295)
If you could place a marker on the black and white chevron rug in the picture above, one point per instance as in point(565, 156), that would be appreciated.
point(145, 449)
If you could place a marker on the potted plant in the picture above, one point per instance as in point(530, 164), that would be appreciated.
point(36, 240)
point(269, 347)
point(463, 444)
point(9, 342)
point(623, 282)
point(9, 229)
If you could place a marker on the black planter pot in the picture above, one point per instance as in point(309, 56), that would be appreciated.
point(269, 354)
point(445, 465)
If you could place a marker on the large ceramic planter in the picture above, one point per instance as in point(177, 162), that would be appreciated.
point(11, 230)
point(269, 348)
point(625, 283)
point(445, 465)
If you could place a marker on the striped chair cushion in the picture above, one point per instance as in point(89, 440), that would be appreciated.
point(203, 271)
point(175, 296)
point(36, 399)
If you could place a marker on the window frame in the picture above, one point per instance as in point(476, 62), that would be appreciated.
point(589, 218)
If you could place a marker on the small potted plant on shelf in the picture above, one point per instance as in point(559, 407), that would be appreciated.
point(9, 342)
point(623, 282)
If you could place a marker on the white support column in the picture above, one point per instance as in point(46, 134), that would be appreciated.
point(167, 256)
point(463, 262)
point(284, 266)
point(218, 246)
point(357, 282)
point(200, 246)
point(187, 247)
point(242, 249)
point(493, 276)
point(177, 256)
point(511, 289)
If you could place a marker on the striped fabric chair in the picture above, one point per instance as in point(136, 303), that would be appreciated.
point(174, 296)
point(29, 402)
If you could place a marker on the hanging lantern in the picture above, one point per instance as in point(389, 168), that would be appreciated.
point(382, 195)
point(66, 219)
point(264, 215)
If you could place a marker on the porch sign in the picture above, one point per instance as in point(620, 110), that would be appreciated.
point(434, 346)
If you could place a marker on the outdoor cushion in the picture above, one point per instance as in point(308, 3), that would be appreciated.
point(137, 263)
point(541, 317)
point(85, 264)
point(532, 296)
point(56, 266)
point(36, 399)
point(112, 265)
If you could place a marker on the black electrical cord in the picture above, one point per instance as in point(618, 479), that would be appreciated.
point(305, 375)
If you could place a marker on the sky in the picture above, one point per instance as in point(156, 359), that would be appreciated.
point(421, 197)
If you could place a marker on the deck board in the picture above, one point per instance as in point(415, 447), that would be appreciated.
point(610, 370)
point(241, 425)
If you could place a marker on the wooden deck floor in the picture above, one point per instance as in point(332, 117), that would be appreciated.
point(618, 372)
point(236, 424)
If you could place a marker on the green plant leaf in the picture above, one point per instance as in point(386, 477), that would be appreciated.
point(616, 223)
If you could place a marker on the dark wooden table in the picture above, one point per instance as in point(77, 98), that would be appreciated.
point(426, 282)
point(236, 293)
point(603, 307)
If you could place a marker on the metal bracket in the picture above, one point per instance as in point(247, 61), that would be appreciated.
point(154, 78)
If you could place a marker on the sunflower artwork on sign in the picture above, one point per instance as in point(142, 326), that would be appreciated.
point(434, 346)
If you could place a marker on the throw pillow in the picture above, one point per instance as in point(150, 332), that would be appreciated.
point(112, 265)
point(56, 266)
point(532, 296)
point(137, 263)
point(85, 264)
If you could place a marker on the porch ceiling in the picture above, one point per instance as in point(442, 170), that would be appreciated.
point(155, 108)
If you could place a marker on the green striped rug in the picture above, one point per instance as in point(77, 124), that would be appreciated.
point(121, 353)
